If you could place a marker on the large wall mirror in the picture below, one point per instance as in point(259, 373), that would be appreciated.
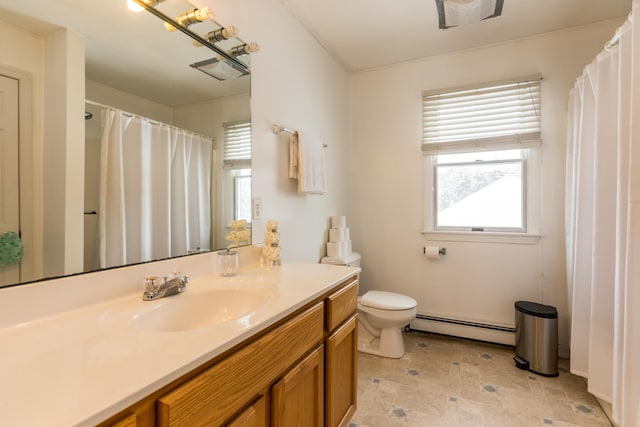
point(117, 149)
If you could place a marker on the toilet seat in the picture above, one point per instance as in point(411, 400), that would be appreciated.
point(387, 301)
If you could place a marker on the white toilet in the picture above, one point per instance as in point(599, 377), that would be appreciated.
point(381, 316)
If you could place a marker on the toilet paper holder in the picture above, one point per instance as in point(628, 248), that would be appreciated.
point(441, 251)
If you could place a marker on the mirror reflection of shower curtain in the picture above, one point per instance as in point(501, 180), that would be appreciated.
point(154, 190)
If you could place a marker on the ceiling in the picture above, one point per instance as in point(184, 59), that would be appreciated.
point(365, 34)
point(128, 51)
point(133, 52)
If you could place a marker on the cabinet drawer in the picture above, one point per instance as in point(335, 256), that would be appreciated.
point(341, 305)
point(222, 390)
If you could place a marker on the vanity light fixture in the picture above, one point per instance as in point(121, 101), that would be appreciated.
point(453, 13)
point(190, 17)
point(219, 35)
point(245, 49)
point(222, 69)
point(226, 57)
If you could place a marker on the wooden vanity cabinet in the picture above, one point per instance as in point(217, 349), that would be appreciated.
point(300, 372)
point(213, 396)
point(342, 374)
point(130, 420)
point(255, 415)
point(341, 345)
point(298, 398)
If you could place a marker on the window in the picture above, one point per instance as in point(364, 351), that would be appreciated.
point(237, 164)
point(481, 193)
point(242, 194)
point(481, 157)
point(237, 145)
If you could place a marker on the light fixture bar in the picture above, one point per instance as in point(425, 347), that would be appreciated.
point(193, 35)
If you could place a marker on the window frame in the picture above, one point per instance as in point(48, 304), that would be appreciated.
point(477, 228)
point(236, 190)
point(529, 145)
point(236, 157)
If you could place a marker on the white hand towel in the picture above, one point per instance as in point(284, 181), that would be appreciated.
point(311, 179)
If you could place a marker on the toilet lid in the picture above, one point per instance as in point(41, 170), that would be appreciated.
point(387, 301)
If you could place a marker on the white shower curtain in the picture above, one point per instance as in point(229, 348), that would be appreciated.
point(601, 227)
point(155, 186)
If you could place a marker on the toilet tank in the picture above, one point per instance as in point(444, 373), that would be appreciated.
point(352, 260)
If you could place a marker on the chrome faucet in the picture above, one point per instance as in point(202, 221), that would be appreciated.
point(171, 285)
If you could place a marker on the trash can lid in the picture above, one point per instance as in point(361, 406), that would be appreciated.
point(538, 310)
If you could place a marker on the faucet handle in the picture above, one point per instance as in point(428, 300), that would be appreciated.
point(151, 284)
point(173, 275)
point(184, 279)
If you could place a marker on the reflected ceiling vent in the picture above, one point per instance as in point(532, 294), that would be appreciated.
point(454, 13)
point(221, 68)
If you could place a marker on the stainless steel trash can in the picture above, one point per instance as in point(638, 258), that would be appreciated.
point(537, 338)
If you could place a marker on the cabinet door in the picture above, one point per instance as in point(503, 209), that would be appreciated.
point(298, 398)
point(253, 416)
point(342, 374)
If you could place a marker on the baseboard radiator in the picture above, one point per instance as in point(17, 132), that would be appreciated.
point(465, 329)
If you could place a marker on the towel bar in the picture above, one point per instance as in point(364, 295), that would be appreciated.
point(278, 129)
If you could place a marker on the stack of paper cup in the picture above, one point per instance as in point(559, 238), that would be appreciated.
point(339, 238)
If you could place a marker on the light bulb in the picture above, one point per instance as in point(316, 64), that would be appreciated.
point(134, 7)
point(221, 34)
point(245, 49)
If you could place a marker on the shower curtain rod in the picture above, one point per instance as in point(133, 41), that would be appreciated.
point(155, 122)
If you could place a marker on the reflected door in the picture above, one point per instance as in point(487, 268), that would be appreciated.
point(9, 178)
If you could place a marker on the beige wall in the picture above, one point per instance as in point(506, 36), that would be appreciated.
point(296, 84)
point(371, 123)
point(106, 95)
point(23, 58)
point(474, 281)
point(208, 118)
point(53, 64)
point(62, 150)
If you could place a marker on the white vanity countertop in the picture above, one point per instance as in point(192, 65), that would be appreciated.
point(81, 367)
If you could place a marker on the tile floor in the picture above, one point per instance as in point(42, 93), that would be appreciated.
point(443, 381)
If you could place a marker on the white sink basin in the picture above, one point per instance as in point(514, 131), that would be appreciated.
point(200, 310)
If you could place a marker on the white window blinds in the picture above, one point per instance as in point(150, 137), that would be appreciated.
point(237, 145)
point(494, 116)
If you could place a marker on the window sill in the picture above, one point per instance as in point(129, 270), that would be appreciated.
point(482, 237)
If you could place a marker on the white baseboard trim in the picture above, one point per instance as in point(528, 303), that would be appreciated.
point(464, 331)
